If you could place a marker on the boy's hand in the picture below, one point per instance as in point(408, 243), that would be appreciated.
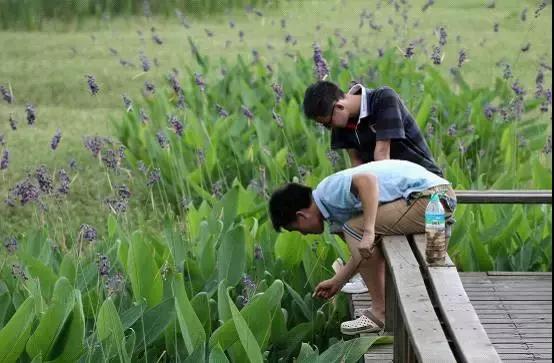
point(326, 289)
point(367, 244)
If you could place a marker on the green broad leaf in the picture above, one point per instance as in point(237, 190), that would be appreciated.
point(72, 342)
point(14, 335)
point(52, 322)
point(279, 326)
point(153, 323)
point(110, 331)
point(208, 258)
point(217, 355)
point(198, 356)
point(5, 302)
point(231, 256)
point(201, 305)
point(44, 273)
point(131, 315)
point(192, 330)
point(144, 274)
point(68, 268)
point(246, 337)
point(223, 309)
point(297, 335)
point(290, 248)
point(300, 302)
point(130, 341)
point(307, 354)
point(122, 252)
point(226, 335)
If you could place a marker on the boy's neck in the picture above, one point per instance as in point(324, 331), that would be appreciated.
point(353, 105)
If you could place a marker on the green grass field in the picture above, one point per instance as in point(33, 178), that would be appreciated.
point(48, 68)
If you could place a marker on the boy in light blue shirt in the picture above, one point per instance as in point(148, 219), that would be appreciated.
point(386, 197)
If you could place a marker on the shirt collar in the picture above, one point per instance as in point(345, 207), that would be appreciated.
point(363, 100)
point(320, 206)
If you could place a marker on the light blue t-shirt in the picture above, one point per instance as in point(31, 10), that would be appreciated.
point(396, 179)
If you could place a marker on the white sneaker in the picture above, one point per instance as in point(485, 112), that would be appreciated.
point(356, 284)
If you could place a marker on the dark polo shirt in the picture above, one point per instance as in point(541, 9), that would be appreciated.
point(387, 119)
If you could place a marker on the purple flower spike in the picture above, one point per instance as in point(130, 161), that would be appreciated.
point(162, 139)
point(56, 139)
point(320, 64)
point(6, 94)
point(246, 112)
point(13, 122)
point(31, 114)
point(92, 85)
point(199, 81)
point(5, 161)
point(221, 111)
point(176, 125)
point(88, 233)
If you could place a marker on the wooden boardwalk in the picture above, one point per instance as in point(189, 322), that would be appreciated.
point(515, 310)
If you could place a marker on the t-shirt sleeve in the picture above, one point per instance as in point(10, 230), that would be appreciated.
point(389, 123)
point(335, 191)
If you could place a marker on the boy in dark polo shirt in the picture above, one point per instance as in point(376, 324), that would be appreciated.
point(371, 125)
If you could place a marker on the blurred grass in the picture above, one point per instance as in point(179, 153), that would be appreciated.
point(48, 69)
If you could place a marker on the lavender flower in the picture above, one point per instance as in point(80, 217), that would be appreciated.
point(56, 139)
point(526, 47)
point(496, 27)
point(427, 5)
point(258, 253)
point(87, 233)
point(127, 103)
point(154, 177)
point(156, 39)
point(410, 51)
point(241, 35)
point(540, 8)
point(146, 65)
point(436, 56)
point(44, 179)
point(255, 56)
point(283, 23)
point(246, 112)
point(115, 284)
point(452, 130)
point(181, 104)
point(2, 141)
point(6, 94)
point(94, 144)
point(162, 139)
point(489, 111)
point(278, 91)
point(64, 182)
point(518, 90)
point(209, 33)
point(174, 82)
point(524, 14)
point(72, 164)
point(231, 24)
point(117, 205)
point(221, 111)
point(4, 162)
point(144, 118)
point(442, 36)
point(92, 85)
point(25, 191)
point(18, 272)
point(217, 189)
point(199, 81)
point(141, 167)
point(103, 266)
point(11, 245)
point(320, 64)
point(333, 157)
point(13, 122)
point(277, 118)
point(112, 158)
point(507, 72)
point(548, 100)
point(31, 114)
point(176, 125)
point(113, 51)
point(462, 57)
point(126, 63)
point(149, 88)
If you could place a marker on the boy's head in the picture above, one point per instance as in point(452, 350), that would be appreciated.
point(292, 207)
point(324, 102)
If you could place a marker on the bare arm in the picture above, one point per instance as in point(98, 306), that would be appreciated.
point(382, 150)
point(366, 187)
point(355, 158)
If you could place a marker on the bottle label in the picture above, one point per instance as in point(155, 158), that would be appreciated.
point(434, 219)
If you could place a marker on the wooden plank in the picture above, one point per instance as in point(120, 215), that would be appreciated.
point(504, 196)
point(421, 322)
point(468, 335)
point(515, 273)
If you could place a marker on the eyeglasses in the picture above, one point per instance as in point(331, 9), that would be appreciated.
point(329, 123)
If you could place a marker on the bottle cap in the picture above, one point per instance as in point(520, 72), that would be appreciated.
point(435, 197)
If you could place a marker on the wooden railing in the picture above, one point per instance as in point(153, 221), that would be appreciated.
point(428, 310)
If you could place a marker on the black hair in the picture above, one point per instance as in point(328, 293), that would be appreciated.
point(286, 201)
point(319, 98)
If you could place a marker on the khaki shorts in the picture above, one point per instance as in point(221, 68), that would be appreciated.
point(402, 217)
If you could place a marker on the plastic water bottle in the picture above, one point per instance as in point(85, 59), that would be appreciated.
point(435, 232)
